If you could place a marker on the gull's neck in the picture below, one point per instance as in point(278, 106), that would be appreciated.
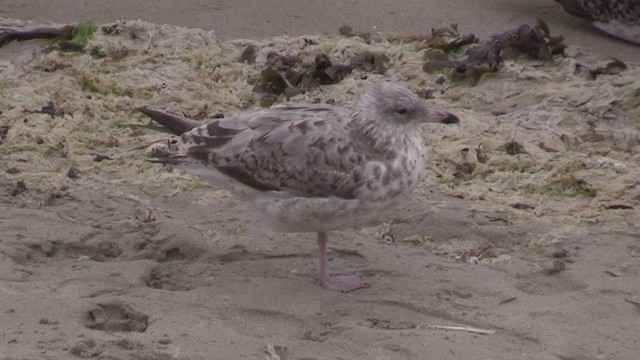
point(383, 137)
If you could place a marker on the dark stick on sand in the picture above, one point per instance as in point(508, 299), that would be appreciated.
point(64, 33)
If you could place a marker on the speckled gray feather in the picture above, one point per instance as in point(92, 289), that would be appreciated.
point(311, 167)
point(620, 18)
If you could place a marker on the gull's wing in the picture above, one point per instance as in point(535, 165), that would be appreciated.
point(625, 11)
point(304, 150)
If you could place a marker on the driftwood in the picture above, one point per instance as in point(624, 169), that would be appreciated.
point(63, 33)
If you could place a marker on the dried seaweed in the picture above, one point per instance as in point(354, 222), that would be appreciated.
point(179, 72)
point(532, 42)
point(20, 188)
point(101, 157)
point(72, 38)
point(281, 62)
point(535, 43)
point(4, 130)
point(614, 67)
point(84, 32)
point(619, 207)
point(297, 78)
point(435, 60)
point(371, 61)
point(514, 148)
point(346, 30)
point(73, 172)
point(445, 39)
point(50, 109)
point(328, 72)
point(522, 206)
point(272, 82)
point(249, 55)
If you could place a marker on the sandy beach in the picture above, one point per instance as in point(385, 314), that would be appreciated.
point(522, 243)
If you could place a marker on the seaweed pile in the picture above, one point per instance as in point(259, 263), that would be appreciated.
point(547, 130)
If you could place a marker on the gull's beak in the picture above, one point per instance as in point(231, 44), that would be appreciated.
point(439, 116)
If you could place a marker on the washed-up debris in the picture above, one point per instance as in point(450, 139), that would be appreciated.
point(463, 169)
point(346, 30)
point(70, 37)
point(612, 273)
point(112, 29)
point(20, 188)
point(435, 60)
point(445, 39)
point(468, 329)
point(50, 109)
point(619, 207)
point(635, 301)
point(533, 42)
point(522, 206)
point(4, 130)
point(73, 172)
point(272, 82)
point(546, 106)
point(323, 71)
point(371, 61)
point(328, 72)
point(559, 253)
point(389, 325)
point(101, 158)
point(249, 54)
point(514, 148)
point(309, 41)
point(62, 33)
point(508, 300)
point(614, 67)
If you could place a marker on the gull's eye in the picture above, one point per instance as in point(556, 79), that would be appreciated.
point(402, 111)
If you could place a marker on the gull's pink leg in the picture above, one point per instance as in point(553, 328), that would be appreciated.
point(344, 283)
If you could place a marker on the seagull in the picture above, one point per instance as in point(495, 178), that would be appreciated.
point(313, 167)
point(620, 18)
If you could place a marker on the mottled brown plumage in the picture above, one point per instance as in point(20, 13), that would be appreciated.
point(620, 18)
point(316, 168)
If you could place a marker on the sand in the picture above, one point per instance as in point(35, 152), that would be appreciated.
point(525, 234)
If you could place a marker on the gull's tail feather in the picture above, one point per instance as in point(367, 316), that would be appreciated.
point(171, 123)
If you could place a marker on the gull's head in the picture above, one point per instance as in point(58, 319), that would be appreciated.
point(394, 104)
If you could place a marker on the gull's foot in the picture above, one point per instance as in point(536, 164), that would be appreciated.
point(343, 283)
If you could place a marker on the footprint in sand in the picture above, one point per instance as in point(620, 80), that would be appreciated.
point(116, 316)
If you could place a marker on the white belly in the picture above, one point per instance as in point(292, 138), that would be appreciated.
point(319, 214)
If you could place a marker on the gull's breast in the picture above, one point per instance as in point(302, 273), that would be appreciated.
point(385, 185)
